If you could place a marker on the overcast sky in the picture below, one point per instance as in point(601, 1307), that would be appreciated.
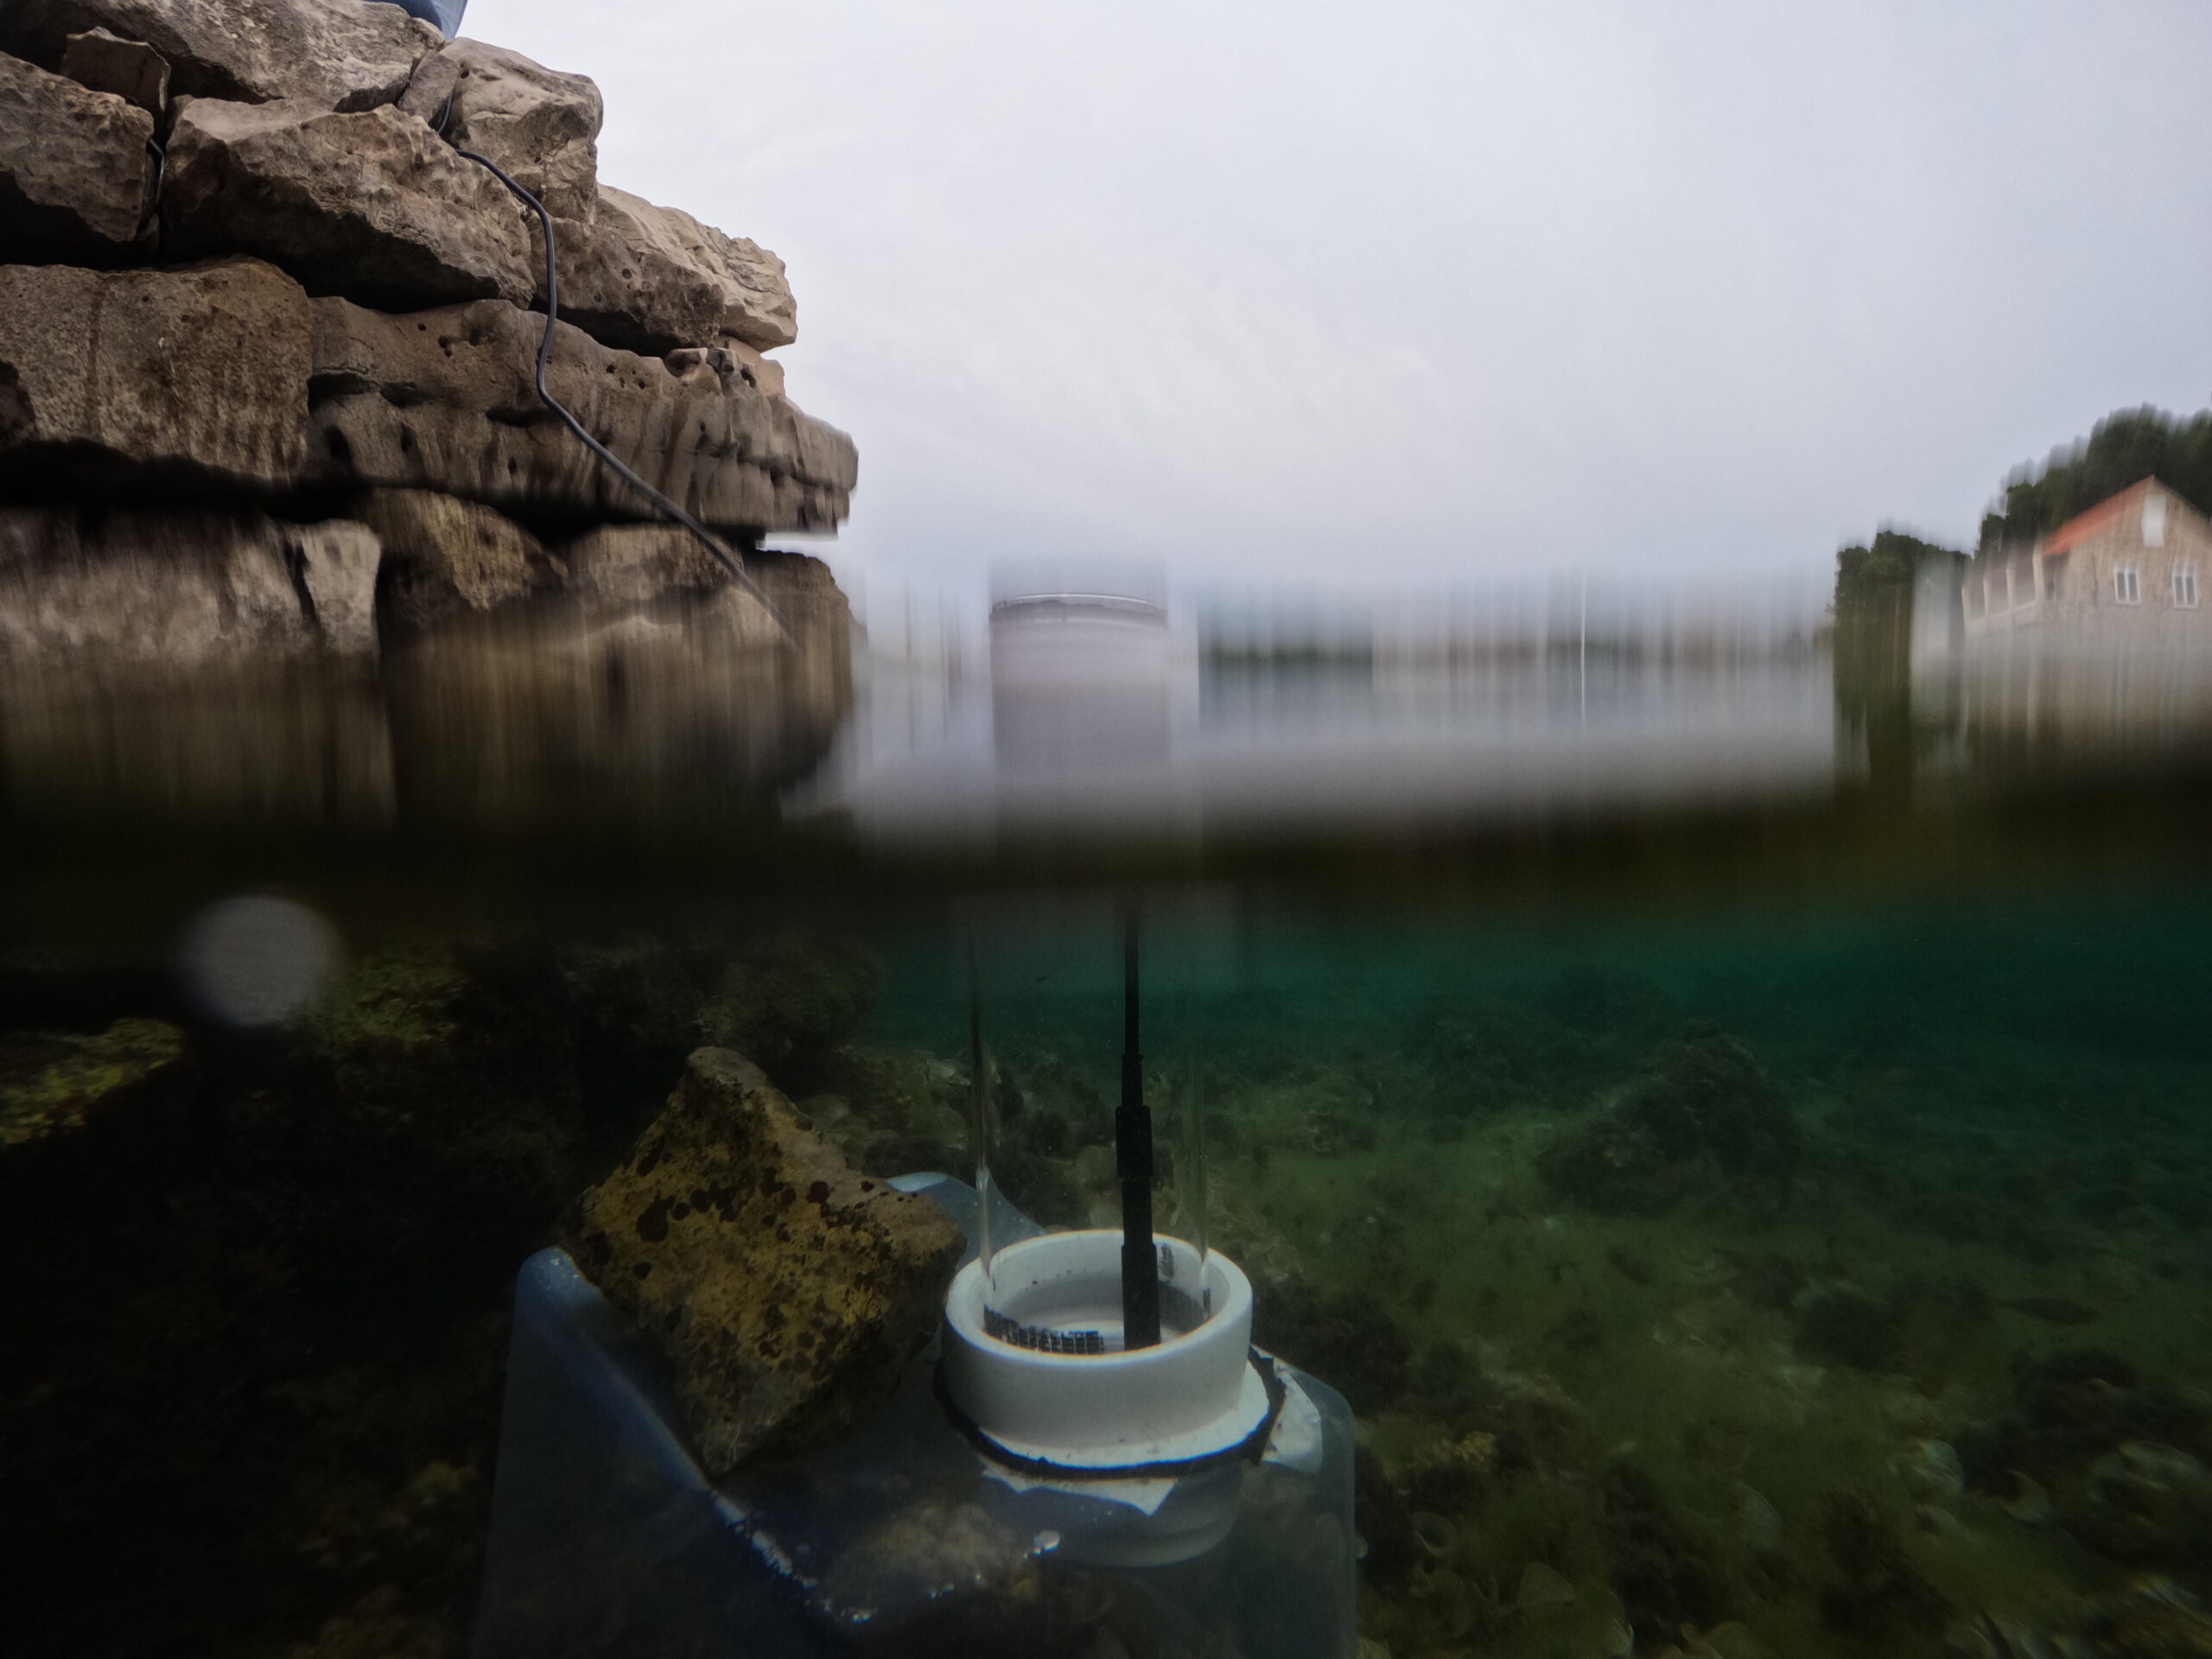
point(1411, 291)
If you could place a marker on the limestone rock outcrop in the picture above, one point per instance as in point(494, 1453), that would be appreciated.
point(106, 62)
point(789, 1292)
point(74, 168)
point(180, 589)
point(538, 124)
point(653, 279)
point(373, 205)
point(444, 400)
point(333, 54)
point(159, 374)
point(248, 278)
point(447, 559)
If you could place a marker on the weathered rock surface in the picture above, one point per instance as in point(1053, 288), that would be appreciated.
point(205, 373)
point(373, 206)
point(200, 372)
point(449, 559)
point(444, 400)
point(336, 334)
point(73, 168)
point(651, 279)
point(181, 587)
point(620, 567)
point(333, 54)
point(542, 126)
point(789, 1292)
point(131, 69)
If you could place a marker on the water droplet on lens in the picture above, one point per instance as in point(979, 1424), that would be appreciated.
point(257, 961)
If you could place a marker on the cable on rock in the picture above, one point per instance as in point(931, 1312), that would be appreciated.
point(722, 555)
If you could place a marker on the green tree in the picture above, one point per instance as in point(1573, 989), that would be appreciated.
point(2123, 449)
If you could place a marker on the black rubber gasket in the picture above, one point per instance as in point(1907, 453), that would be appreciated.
point(1250, 1449)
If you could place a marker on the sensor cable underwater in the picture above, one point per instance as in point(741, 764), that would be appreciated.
point(706, 538)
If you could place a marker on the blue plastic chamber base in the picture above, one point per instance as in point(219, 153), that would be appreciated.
point(608, 1539)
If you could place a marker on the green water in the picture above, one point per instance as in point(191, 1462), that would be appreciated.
point(1769, 1222)
point(1858, 1395)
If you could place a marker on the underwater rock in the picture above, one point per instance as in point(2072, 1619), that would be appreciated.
point(333, 55)
point(1666, 1577)
point(372, 206)
point(1931, 1469)
point(1489, 1056)
point(1385, 1521)
point(1704, 1114)
point(789, 1292)
point(199, 373)
point(1554, 1617)
point(539, 125)
point(73, 168)
point(790, 1000)
point(1846, 1327)
point(2075, 1406)
point(1451, 1475)
point(1881, 1594)
point(2146, 1505)
point(1531, 1421)
point(1345, 1338)
point(57, 1085)
point(432, 1107)
point(2153, 1619)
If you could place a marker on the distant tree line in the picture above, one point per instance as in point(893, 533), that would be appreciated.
point(2122, 449)
point(1874, 584)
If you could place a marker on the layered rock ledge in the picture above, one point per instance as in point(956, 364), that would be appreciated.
point(268, 342)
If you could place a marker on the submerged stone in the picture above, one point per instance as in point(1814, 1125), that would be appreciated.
point(54, 1085)
point(789, 1292)
point(1705, 1113)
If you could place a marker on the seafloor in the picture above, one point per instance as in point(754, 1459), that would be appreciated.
point(1812, 1287)
point(1812, 1283)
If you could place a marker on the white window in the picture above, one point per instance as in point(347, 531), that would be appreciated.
point(2185, 586)
point(2125, 589)
point(2154, 519)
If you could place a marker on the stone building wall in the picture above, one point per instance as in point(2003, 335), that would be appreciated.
point(2075, 586)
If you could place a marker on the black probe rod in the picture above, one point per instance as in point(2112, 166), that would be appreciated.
point(1133, 1162)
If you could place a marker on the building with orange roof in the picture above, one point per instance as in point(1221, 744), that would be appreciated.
point(2132, 568)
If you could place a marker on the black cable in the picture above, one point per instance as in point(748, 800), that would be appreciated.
point(1133, 1161)
point(706, 538)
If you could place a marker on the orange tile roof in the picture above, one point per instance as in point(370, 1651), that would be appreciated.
point(2083, 526)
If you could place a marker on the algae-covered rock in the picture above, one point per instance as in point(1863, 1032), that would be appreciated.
point(1346, 1338)
point(55, 1084)
point(789, 999)
point(433, 1110)
point(1489, 1056)
point(1705, 1111)
point(789, 1292)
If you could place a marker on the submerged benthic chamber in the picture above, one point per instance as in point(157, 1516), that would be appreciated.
point(1047, 1480)
point(607, 1538)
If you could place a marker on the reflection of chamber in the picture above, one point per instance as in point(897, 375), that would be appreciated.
point(1078, 680)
